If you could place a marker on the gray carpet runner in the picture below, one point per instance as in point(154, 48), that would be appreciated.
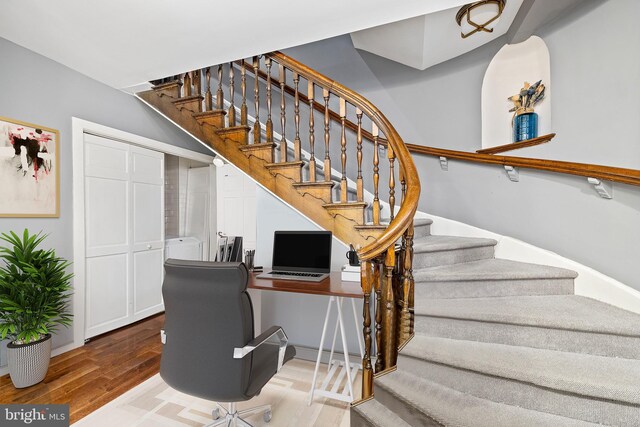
point(505, 343)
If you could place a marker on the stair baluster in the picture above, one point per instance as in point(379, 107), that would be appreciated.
point(407, 286)
point(343, 151)
point(392, 182)
point(257, 130)
point(284, 155)
point(187, 84)
point(378, 315)
point(197, 85)
point(359, 184)
point(208, 97)
point(297, 154)
point(232, 108)
point(269, 124)
point(219, 93)
point(367, 370)
point(243, 88)
point(327, 157)
point(312, 138)
point(376, 174)
point(389, 349)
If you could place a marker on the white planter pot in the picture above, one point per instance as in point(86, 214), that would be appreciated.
point(29, 363)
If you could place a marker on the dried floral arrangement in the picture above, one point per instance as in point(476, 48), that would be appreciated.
point(529, 96)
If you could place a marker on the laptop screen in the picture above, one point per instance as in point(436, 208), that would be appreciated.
point(308, 251)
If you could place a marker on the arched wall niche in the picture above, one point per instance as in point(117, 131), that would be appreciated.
point(509, 69)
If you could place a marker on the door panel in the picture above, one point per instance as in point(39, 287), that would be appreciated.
point(148, 225)
point(106, 158)
point(148, 275)
point(106, 216)
point(107, 293)
point(147, 166)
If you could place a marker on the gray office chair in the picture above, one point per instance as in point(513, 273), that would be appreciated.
point(209, 350)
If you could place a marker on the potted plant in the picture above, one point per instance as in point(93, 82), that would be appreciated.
point(34, 301)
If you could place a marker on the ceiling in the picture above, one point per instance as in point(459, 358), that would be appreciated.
point(124, 43)
point(427, 40)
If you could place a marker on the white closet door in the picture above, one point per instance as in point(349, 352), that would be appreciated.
point(147, 179)
point(124, 233)
point(107, 234)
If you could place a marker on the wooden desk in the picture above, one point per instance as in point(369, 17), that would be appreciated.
point(343, 372)
point(331, 286)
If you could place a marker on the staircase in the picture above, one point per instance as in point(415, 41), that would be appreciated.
point(505, 343)
point(461, 338)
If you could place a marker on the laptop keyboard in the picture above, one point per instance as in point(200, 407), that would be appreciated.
point(294, 273)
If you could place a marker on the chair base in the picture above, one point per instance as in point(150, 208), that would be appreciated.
point(232, 416)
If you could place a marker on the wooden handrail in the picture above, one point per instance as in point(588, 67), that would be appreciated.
point(609, 173)
point(404, 217)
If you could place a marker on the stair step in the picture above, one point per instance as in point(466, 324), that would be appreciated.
point(191, 103)
point(492, 278)
point(432, 251)
point(350, 210)
point(419, 401)
point(214, 118)
point(591, 388)
point(320, 189)
point(373, 413)
point(262, 151)
point(555, 322)
point(289, 170)
point(421, 227)
point(170, 89)
point(238, 134)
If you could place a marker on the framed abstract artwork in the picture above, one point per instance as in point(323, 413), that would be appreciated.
point(29, 170)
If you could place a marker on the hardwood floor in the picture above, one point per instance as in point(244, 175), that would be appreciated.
point(90, 376)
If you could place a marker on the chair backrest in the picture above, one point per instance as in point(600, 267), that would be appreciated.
point(208, 313)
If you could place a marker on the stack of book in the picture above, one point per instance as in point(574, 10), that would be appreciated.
point(351, 273)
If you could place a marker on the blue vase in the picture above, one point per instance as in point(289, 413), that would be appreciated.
point(525, 126)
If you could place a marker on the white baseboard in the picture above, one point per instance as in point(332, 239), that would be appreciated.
point(589, 283)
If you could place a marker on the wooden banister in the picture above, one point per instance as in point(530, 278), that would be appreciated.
point(609, 173)
point(404, 216)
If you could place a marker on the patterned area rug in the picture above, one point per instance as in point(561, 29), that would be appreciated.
point(153, 404)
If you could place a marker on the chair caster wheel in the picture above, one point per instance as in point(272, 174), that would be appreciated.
point(216, 414)
point(266, 416)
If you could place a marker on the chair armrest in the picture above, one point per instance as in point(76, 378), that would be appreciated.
point(239, 353)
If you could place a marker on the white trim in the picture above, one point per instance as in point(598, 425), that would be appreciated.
point(78, 128)
point(589, 283)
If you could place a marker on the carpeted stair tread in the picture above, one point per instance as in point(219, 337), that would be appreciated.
point(376, 414)
point(491, 269)
point(585, 375)
point(449, 243)
point(570, 312)
point(453, 408)
point(419, 222)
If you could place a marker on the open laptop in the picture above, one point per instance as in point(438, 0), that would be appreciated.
point(300, 255)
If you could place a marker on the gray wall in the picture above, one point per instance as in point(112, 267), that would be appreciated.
point(37, 90)
point(300, 315)
point(595, 113)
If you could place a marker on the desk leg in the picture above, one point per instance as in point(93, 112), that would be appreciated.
point(358, 331)
point(347, 365)
point(335, 333)
point(324, 331)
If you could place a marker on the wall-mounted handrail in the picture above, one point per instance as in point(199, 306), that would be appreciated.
point(609, 173)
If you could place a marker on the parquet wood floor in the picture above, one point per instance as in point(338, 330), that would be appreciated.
point(92, 375)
